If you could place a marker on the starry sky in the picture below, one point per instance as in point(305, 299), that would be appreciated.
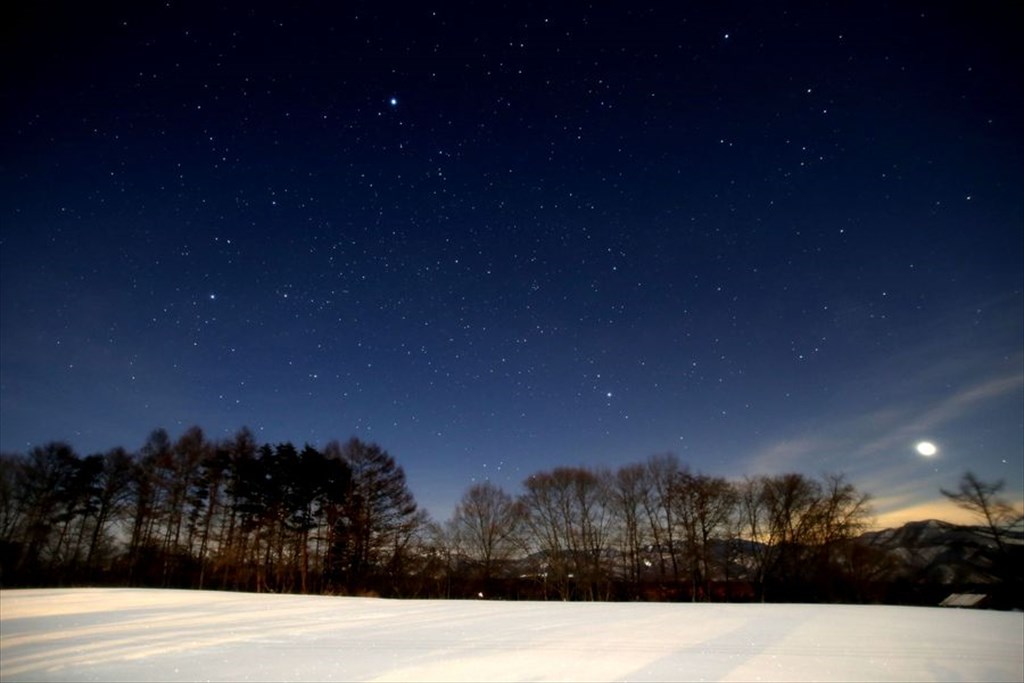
point(497, 238)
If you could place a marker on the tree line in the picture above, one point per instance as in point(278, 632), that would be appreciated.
point(238, 515)
point(657, 531)
point(192, 513)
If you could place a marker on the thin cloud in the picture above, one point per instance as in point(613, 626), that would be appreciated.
point(865, 447)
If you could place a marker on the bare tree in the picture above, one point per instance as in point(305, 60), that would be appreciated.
point(662, 471)
point(626, 494)
point(800, 529)
point(440, 547)
point(487, 523)
point(704, 508)
point(982, 499)
point(567, 512)
point(842, 513)
point(777, 512)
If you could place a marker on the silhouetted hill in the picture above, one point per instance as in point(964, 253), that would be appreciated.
point(924, 560)
point(940, 552)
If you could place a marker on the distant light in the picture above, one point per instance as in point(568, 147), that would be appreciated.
point(926, 448)
point(393, 101)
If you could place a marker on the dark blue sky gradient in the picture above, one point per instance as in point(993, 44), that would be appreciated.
point(497, 238)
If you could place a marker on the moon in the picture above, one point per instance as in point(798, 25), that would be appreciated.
point(926, 448)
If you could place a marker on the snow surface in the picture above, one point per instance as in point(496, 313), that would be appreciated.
point(127, 635)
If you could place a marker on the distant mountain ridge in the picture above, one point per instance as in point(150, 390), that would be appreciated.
point(934, 551)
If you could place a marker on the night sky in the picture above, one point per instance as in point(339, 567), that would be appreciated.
point(503, 237)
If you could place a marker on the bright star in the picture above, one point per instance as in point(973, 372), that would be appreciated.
point(393, 101)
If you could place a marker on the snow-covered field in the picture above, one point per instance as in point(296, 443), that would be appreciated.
point(139, 635)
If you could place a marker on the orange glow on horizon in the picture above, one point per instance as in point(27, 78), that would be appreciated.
point(940, 509)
